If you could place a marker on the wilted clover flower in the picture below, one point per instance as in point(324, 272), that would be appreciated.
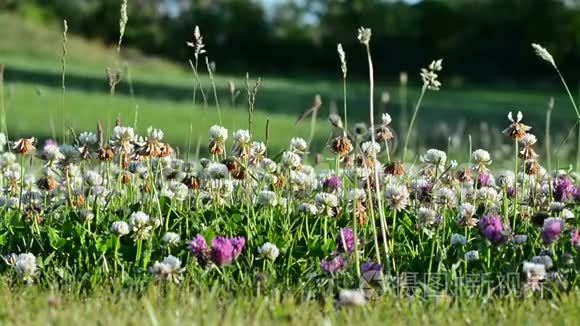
point(24, 146)
point(217, 137)
point(364, 35)
point(552, 229)
point(544, 54)
point(168, 270)
point(269, 251)
point(120, 228)
point(516, 129)
point(397, 197)
point(267, 198)
point(25, 266)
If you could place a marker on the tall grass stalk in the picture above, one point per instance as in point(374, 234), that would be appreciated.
point(122, 23)
point(217, 103)
point(63, 78)
point(2, 104)
point(403, 95)
point(412, 122)
point(548, 142)
point(198, 83)
point(364, 37)
point(251, 91)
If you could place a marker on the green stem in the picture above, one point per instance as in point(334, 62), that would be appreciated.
point(410, 128)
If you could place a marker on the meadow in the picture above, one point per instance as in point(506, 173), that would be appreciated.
point(152, 209)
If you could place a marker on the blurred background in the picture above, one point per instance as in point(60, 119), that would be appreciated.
point(489, 65)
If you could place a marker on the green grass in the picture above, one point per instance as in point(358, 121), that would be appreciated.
point(185, 307)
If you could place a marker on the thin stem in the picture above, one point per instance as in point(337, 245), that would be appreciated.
point(345, 105)
point(217, 104)
point(412, 122)
point(374, 154)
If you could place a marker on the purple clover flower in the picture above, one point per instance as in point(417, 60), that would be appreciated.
point(200, 250)
point(345, 242)
point(222, 251)
point(563, 189)
point(552, 228)
point(238, 243)
point(492, 229)
point(577, 194)
point(334, 265)
point(332, 183)
point(484, 179)
point(575, 238)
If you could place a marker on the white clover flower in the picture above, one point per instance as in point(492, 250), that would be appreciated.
point(544, 54)
point(458, 240)
point(467, 210)
point(446, 197)
point(298, 145)
point(544, 260)
point(426, 216)
point(171, 239)
point(258, 148)
point(534, 271)
point(567, 214)
point(291, 160)
point(218, 133)
point(120, 228)
point(242, 136)
point(25, 266)
point(179, 190)
point(471, 256)
point(397, 197)
point(369, 148)
point(528, 140)
point(139, 221)
point(123, 138)
point(70, 154)
point(488, 195)
point(168, 270)
point(505, 180)
point(307, 208)
point(481, 157)
point(267, 198)
point(326, 202)
point(51, 152)
point(520, 239)
point(268, 165)
point(88, 138)
point(434, 157)
point(217, 171)
point(154, 134)
point(386, 118)
point(269, 251)
point(556, 206)
point(92, 178)
point(357, 194)
point(351, 297)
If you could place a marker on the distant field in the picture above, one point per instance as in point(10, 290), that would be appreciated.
point(163, 91)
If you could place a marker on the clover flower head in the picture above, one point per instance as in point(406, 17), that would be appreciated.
point(169, 269)
point(269, 251)
point(120, 228)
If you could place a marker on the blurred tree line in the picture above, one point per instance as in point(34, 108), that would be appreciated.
point(479, 39)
